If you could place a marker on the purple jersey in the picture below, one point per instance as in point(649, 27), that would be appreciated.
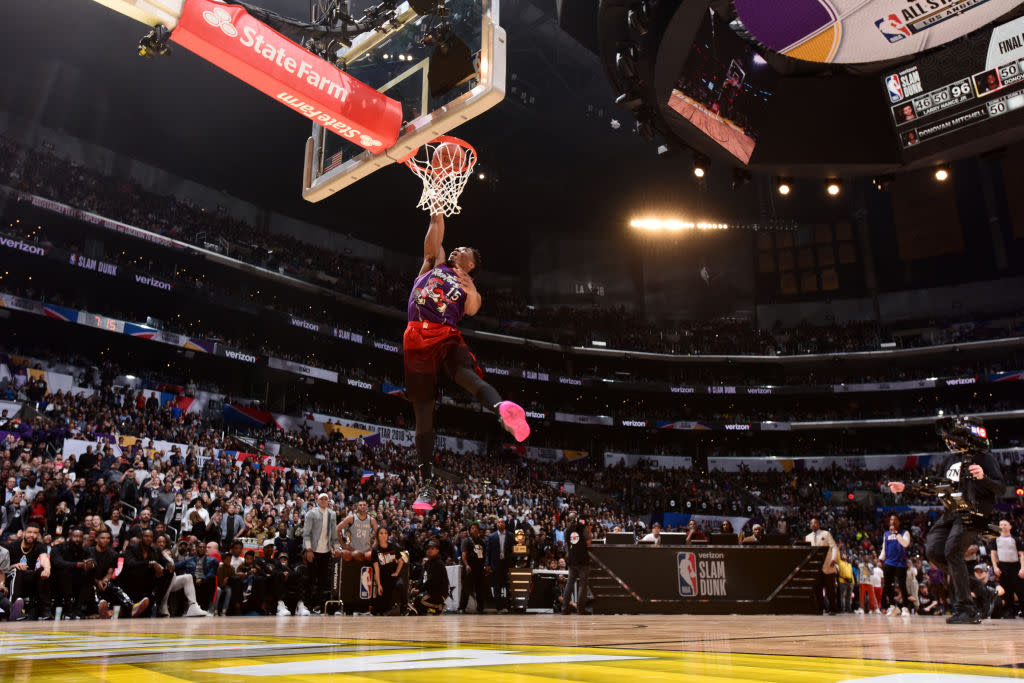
point(437, 297)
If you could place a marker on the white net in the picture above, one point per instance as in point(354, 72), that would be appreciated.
point(444, 165)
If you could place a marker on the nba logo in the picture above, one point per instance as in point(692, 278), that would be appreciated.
point(687, 574)
point(893, 28)
point(366, 583)
point(895, 88)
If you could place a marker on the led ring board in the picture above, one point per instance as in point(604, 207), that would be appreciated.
point(859, 31)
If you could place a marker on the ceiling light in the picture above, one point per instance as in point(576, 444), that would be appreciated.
point(942, 173)
point(833, 188)
point(700, 164)
point(784, 186)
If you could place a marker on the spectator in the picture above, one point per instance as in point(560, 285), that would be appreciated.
point(387, 569)
point(31, 565)
point(319, 543)
point(499, 562)
point(825, 588)
point(655, 535)
point(473, 569)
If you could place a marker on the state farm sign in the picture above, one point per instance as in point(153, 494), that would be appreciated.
point(246, 48)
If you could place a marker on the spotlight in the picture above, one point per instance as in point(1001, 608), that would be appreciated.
point(784, 186)
point(833, 188)
point(700, 164)
point(942, 173)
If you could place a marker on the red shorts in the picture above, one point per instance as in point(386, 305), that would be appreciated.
point(428, 348)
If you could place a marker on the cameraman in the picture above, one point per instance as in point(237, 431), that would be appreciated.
point(979, 483)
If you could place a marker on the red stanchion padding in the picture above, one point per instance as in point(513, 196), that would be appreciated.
point(251, 51)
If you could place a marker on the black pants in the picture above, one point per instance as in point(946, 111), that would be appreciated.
point(579, 576)
point(1009, 579)
point(382, 603)
point(891, 578)
point(945, 546)
point(30, 585)
point(73, 588)
point(500, 586)
point(115, 596)
point(826, 592)
point(321, 578)
point(204, 592)
point(475, 582)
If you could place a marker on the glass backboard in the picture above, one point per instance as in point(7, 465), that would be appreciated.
point(396, 62)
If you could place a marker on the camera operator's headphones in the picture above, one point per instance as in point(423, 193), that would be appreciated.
point(962, 434)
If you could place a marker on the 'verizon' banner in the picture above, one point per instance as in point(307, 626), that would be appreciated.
point(246, 48)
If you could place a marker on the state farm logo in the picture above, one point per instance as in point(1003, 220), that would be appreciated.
point(220, 18)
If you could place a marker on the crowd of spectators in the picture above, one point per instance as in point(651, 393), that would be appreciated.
point(180, 519)
point(41, 171)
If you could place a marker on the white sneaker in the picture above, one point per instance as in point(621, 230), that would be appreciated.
point(858, 611)
point(876, 611)
point(301, 611)
point(905, 612)
point(893, 611)
point(282, 609)
point(194, 610)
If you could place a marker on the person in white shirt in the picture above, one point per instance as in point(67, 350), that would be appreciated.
point(826, 590)
point(877, 576)
point(653, 537)
point(1008, 561)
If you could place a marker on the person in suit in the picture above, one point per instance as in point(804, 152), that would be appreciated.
point(499, 562)
point(319, 543)
point(756, 535)
point(231, 525)
point(825, 588)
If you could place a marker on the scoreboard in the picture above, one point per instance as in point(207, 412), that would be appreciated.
point(973, 87)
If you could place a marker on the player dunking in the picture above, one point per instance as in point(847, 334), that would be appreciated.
point(442, 293)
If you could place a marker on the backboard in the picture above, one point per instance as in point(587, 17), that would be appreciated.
point(396, 61)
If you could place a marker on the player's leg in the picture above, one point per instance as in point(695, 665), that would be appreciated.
point(461, 365)
point(426, 497)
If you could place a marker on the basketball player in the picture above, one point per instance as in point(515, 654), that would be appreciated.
point(363, 529)
point(442, 293)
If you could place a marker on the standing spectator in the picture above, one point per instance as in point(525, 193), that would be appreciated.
point(319, 542)
point(825, 587)
point(847, 580)
point(578, 540)
point(175, 513)
point(362, 530)
point(877, 578)
point(472, 551)
point(894, 568)
point(1009, 569)
point(499, 562)
point(232, 525)
point(387, 568)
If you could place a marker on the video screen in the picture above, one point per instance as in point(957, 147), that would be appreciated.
point(725, 88)
point(970, 89)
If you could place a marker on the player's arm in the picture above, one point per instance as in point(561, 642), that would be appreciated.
point(433, 250)
point(473, 299)
point(904, 539)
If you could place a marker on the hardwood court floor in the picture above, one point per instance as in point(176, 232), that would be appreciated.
point(522, 648)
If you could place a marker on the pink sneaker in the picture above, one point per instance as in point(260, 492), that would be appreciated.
point(513, 419)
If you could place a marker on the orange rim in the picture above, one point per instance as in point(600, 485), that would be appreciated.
point(411, 162)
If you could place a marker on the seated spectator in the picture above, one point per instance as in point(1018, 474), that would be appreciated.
point(655, 535)
point(756, 535)
point(72, 575)
point(109, 593)
point(693, 533)
point(31, 565)
point(203, 570)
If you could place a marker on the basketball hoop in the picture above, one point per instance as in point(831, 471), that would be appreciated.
point(444, 165)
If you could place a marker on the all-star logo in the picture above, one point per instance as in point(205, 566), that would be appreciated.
point(219, 17)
